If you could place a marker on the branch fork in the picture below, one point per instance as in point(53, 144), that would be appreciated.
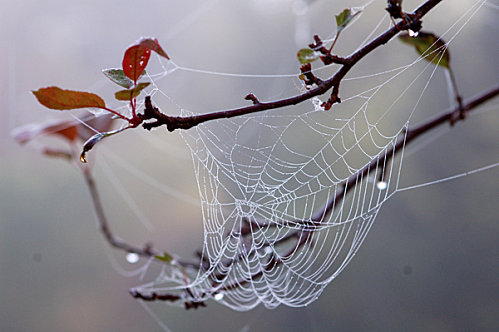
point(152, 117)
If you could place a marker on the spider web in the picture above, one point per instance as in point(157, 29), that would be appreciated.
point(288, 196)
point(275, 188)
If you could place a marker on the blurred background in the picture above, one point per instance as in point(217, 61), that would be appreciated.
point(430, 261)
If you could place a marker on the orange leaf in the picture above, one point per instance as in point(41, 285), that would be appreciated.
point(72, 130)
point(135, 61)
point(66, 129)
point(59, 99)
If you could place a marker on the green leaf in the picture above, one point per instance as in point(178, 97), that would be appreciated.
point(131, 93)
point(167, 258)
point(307, 55)
point(118, 77)
point(430, 46)
point(59, 99)
point(344, 18)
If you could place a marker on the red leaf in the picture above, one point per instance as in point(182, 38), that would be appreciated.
point(137, 56)
point(135, 61)
point(153, 45)
point(59, 99)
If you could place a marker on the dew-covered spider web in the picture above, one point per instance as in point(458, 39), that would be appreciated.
point(277, 230)
point(288, 196)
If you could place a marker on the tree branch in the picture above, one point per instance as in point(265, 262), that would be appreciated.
point(146, 251)
point(451, 115)
point(302, 236)
point(178, 122)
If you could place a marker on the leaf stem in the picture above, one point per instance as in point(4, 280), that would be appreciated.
point(334, 41)
point(116, 113)
point(458, 97)
point(178, 122)
point(146, 251)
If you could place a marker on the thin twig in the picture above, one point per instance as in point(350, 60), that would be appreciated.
point(302, 236)
point(185, 122)
point(146, 251)
point(449, 115)
point(457, 95)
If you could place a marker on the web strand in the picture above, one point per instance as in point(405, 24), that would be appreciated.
point(288, 196)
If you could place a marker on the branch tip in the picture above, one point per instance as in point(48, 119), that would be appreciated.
point(253, 98)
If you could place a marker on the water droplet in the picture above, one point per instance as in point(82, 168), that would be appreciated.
point(82, 158)
point(317, 104)
point(132, 258)
point(413, 34)
point(218, 296)
point(382, 185)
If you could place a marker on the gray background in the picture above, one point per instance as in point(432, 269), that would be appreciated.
point(429, 262)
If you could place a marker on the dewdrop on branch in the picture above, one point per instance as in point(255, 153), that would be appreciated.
point(132, 258)
point(273, 189)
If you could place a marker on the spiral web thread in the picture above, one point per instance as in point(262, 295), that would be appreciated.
point(268, 183)
point(267, 238)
